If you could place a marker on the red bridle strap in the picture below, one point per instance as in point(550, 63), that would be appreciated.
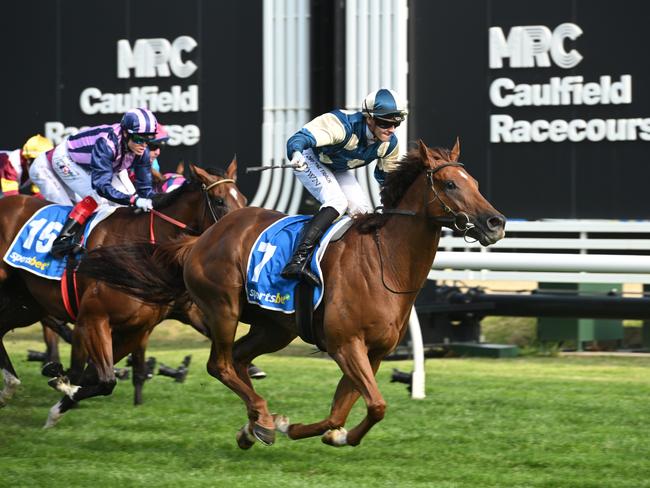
point(152, 237)
point(171, 220)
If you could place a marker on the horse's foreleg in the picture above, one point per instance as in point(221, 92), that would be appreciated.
point(344, 399)
point(353, 360)
point(10, 377)
point(78, 356)
point(96, 340)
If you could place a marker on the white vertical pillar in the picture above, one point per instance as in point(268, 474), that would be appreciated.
point(376, 57)
point(286, 97)
point(417, 378)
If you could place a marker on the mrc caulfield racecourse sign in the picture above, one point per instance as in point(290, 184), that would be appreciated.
point(538, 47)
point(156, 58)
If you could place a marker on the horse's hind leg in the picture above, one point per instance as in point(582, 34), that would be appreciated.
point(261, 339)
point(135, 343)
point(51, 345)
point(220, 365)
point(95, 332)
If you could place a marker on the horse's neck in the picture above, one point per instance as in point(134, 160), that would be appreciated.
point(189, 212)
point(409, 243)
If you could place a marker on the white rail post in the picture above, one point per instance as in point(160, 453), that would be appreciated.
point(417, 378)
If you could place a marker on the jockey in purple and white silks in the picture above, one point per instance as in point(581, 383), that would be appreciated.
point(324, 151)
point(93, 166)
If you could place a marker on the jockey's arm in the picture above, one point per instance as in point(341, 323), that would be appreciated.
point(101, 165)
point(388, 162)
point(143, 176)
point(324, 130)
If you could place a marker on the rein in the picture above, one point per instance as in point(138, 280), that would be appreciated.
point(205, 188)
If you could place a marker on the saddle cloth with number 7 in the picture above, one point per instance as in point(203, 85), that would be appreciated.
point(271, 252)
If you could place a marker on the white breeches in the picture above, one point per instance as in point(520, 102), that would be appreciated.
point(340, 190)
point(48, 182)
point(66, 182)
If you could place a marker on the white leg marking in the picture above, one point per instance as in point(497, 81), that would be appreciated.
point(281, 423)
point(11, 385)
point(54, 416)
point(63, 385)
point(336, 437)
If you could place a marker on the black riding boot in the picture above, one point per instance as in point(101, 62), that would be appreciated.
point(68, 239)
point(298, 267)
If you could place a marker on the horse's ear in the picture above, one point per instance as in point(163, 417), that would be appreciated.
point(455, 152)
point(231, 171)
point(423, 150)
point(195, 173)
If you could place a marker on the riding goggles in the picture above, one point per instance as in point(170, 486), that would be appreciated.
point(142, 138)
point(386, 123)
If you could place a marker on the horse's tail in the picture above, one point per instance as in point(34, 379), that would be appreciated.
point(153, 273)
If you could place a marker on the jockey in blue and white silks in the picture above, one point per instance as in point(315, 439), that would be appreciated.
point(324, 151)
point(93, 166)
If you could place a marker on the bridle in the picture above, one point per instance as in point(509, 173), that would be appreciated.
point(459, 221)
point(451, 219)
point(462, 226)
point(205, 189)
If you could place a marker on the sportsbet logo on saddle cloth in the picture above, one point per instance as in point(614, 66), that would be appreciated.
point(271, 251)
point(30, 249)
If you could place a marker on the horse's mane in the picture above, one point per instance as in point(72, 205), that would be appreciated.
point(164, 200)
point(396, 184)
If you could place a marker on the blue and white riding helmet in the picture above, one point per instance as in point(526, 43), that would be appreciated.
point(139, 121)
point(384, 104)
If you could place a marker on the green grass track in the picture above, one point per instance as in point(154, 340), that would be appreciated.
point(527, 422)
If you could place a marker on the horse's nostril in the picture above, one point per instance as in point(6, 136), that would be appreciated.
point(496, 222)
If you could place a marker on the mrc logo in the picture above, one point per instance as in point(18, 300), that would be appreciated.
point(528, 46)
point(155, 57)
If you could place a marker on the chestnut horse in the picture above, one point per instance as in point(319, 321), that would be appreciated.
point(26, 298)
point(372, 276)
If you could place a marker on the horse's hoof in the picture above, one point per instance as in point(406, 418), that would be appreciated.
point(52, 370)
point(3, 403)
point(335, 437)
point(281, 423)
point(264, 435)
point(245, 439)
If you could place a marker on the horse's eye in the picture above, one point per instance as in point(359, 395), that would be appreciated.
point(450, 185)
point(219, 201)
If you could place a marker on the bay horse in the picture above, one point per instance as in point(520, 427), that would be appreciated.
point(53, 329)
point(372, 276)
point(26, 298)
